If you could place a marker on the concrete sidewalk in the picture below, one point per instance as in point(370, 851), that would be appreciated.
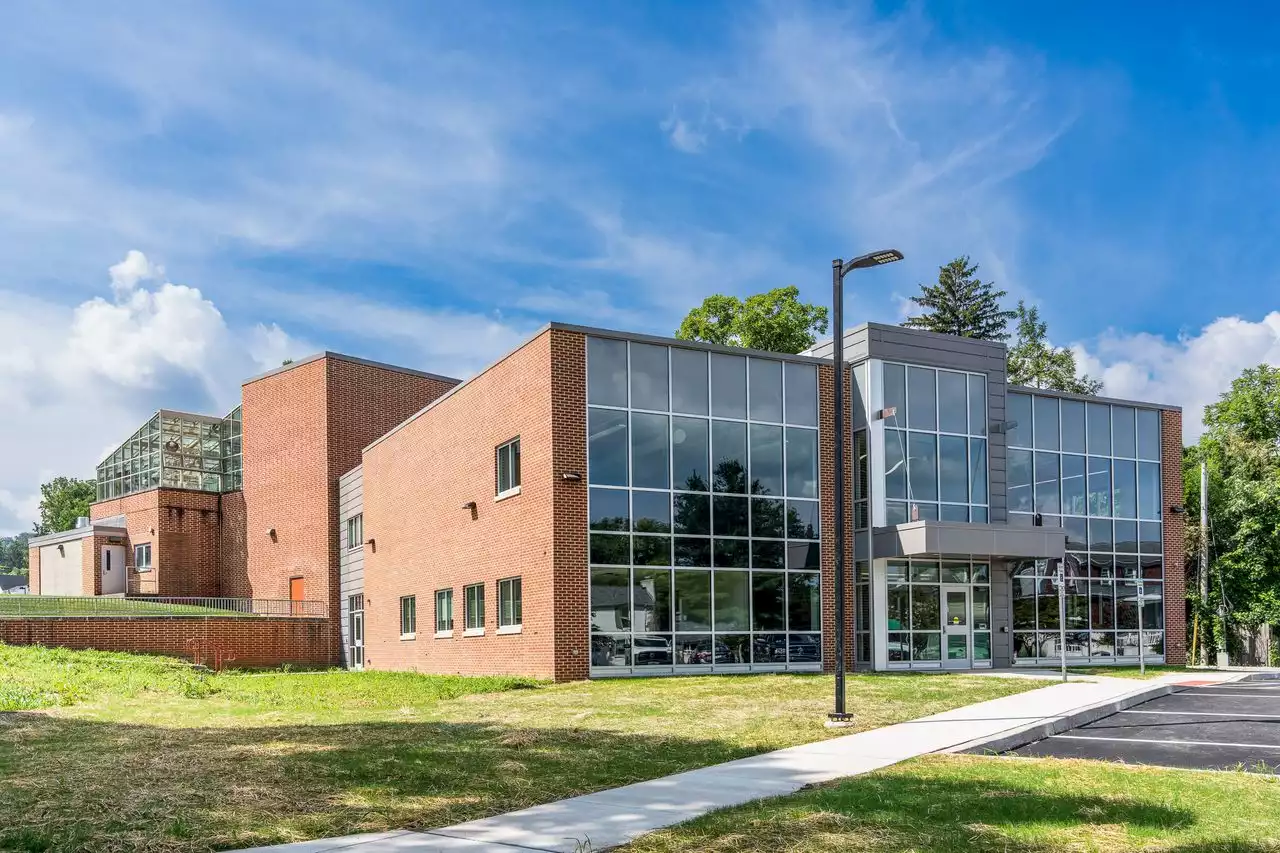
point(595, 822)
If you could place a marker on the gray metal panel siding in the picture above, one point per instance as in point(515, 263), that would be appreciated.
point(350, 562)
point(997, 478)
point(855, 346)
point(1001, 615)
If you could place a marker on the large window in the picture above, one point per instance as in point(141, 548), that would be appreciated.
point(473, 604)
point(408, 617)
point(142, 557)
point(703, 509)
point(175, 450)
point(510, 606)
point(935, 445)
point(507, 467)
point(1093, 469)
point(444, 611)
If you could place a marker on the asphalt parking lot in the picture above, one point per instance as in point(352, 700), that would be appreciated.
point(1212, 727)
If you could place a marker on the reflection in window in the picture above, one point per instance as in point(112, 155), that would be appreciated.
point(703, 541)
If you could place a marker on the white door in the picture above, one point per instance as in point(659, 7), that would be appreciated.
point(956, 651)
point(113, 569)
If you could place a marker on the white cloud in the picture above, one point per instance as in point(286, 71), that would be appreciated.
point(79, 380)
point(1190, 372)
point(683, 135)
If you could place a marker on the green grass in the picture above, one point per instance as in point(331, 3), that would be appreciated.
point(52, 605)
point(144, 754)
point(947, 804)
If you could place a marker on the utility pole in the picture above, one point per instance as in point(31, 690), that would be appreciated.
point(1204, 556)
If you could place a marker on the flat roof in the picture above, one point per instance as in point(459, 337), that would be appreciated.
point(595, 331)
point(73, 534)
point(905, 330)
point(337, 356)
point(1086, 398)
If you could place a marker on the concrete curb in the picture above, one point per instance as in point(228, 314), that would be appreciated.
point(1015, 738)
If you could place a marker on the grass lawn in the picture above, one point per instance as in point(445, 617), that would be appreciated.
point(52, 605)
point(132, 753)
point(942, 804)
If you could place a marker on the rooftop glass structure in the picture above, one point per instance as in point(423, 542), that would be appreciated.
point(176, 450)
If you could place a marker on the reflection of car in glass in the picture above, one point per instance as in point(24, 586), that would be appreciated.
point(771, 648)
point(805, 650)
point(737, 653)
point(603, 652)
point(652, 651)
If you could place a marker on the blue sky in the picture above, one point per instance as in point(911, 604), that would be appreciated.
point(428, 183)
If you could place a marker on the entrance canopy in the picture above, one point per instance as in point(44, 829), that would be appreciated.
point(921, 538)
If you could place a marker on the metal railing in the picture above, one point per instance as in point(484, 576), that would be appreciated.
point(53, 606)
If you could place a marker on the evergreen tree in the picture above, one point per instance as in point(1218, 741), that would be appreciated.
point(1036, 363)
point(962, 304)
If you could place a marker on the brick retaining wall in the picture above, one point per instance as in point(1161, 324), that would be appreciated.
point(259, 641)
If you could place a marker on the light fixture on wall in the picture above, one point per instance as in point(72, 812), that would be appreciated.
point(471, 505)
point(271, 533)
point(1178, 509)
point(572, 476)
point(372, 543)
point(1003, 427)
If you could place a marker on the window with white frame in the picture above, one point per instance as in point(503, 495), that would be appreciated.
point(408, 615)
point(444, 610)
point(355, 531)
point(507, 468)
point(935, 445)
point(509, 604)
point(142, 557)
point(473, 603)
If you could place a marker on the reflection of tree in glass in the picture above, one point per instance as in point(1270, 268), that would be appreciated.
point(695, 483)
point(693, 514)
point(611, 522)
point(766, 519)
point(652, 525)
point(798, 528)
point(731, 476)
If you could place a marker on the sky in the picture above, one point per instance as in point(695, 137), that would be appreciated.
point(191, 193)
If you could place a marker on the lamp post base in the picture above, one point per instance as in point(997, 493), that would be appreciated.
point(839, 721)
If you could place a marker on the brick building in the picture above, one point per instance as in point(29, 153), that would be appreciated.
point(600, 503)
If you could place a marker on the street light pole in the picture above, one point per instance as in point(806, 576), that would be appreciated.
point(839, 269)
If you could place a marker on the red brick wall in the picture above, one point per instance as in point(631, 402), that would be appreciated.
point(571, 579)
point(416, 483)
point(233, 556)
point(1175, 540)
point(827, 494)
point(183, 529)
point(255, 642)
point(33, 570)
point(303, 428)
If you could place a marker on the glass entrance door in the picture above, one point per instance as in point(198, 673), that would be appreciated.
point(956, 653)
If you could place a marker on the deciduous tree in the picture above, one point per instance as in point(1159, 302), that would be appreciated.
point(1035, 362)
point(62, 501)
point(776, 321)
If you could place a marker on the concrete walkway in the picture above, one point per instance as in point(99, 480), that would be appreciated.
point(595, 822)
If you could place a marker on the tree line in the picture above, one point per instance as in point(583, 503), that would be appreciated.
point(960, 304)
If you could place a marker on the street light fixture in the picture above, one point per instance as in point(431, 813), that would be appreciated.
point(839, 269)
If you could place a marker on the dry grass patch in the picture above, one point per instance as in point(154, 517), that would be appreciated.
point(144, 754)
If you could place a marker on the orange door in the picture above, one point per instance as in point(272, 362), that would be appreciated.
point(296, 591)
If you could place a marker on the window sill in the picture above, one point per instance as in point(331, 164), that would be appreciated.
point(408, 636)
point(509, 493)
point(443, 635)
point(143, 571)
point(355, 548)
point(473, 632)
point(511, 629)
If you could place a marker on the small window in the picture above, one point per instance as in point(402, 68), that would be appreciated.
point(355, 531)
point(444, 610)
point(474, 595)
point(509, 606)
point(408, 615)
point(142, 557)
point(508, 466)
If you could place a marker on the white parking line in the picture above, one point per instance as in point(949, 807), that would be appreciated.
point(1275, 746)
point(1204, 714)
point(1224, 695)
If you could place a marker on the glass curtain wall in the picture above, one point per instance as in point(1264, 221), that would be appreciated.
point(175, 450)
point(1094, 469)
point(703, 510)
point(935, 445)
point(915, 619)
